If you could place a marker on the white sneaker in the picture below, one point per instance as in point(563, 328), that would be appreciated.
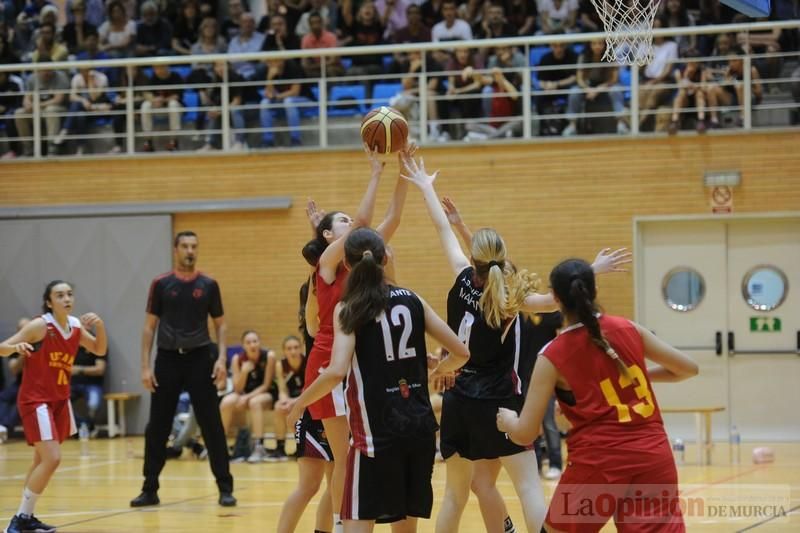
point(258, 455)
point(205, 148)
point(475, 136)
point(552, 474)
point(443, 137)
point(622, 128)
point(59, 139)
point(3, 434)
point(569, 131)
point(238, 147)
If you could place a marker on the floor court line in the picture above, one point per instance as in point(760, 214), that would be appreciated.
point(65, 469)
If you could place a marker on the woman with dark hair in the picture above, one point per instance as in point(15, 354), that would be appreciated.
point(597, 368)
point(380, 348)
point(484, 307)
point(326, 252)
point(118, 32)
point(187, 27)
point(49, 344)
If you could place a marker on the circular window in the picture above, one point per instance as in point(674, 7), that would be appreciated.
point(764, 287)
point(683, 289)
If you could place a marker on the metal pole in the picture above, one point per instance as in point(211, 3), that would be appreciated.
point(323, 102)
point(423, 101)
point(37, 118)
point(526, 92)
point(226, 110)
point(747, 108)
point(130, 126)
point(634, 100)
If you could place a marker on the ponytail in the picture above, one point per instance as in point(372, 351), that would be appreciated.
point(504, 291)
point(365, 295)
point(586, 310)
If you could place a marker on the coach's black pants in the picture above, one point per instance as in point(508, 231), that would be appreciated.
point(174, 373)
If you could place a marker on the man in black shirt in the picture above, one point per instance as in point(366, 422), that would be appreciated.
point(153, 33)
point(178, 305)
point(168, 98)
point(87, 382)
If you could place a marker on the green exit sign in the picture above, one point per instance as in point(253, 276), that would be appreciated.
point(768, 324)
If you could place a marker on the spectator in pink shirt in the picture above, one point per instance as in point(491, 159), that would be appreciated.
point(319, 37)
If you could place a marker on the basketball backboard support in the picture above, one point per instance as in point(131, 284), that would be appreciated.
point(751, 8)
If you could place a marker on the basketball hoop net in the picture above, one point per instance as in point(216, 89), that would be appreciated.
point(629, 29)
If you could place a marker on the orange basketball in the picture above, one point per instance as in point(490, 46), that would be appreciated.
point(384, 130)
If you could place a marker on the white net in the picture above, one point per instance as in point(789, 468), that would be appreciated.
point(629, 29)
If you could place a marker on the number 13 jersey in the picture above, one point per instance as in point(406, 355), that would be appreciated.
point(387, 386)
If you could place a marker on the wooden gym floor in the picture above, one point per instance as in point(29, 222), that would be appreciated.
point(91, 494)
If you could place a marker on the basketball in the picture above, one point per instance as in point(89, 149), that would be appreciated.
point(384, 130)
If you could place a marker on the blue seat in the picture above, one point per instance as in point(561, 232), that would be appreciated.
point(347, 62)
point(578, 48)
point(190, 99)
point(537, 53)
point(387, 62)
point(182, 70)
point(383, 92)
point(350, 100)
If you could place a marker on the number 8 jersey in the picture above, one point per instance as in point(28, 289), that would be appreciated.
point(387, 386)
point(608, 408)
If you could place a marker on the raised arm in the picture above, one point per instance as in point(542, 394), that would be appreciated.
point(418, 176)
point(97, 343)
point(395, 211)
point(454, 217)
point(524, 428)
point(673, 365)
point(344, 345)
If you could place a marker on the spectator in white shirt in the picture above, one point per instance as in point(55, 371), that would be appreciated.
point(558, 15)
point(451, 28)
point(651, 94)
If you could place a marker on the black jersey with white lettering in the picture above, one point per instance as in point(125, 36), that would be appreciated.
point(492, 369)
point(255, 378)
point(387, 387)
point(294, 379)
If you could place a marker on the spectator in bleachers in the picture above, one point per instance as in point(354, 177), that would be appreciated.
point(589, 19)
point(692, 82)
point(230, 26)
point(393, 15)
point(593, 77)
point(28, 20)
point(119, 105)
point(47, 45)
point(763, 42)
point(91, 49)
point(88, 92)
point(208, 42)
point(7, 54)
point(11, 88)
point(431, 12)
point(165, 98)
point(94, 11)
point(494, 24)
point(467, 82)
point(415, 31)
point(8, 11)
point(290, 10)
point(723, 47)
point(319, 37)
point(118, 33)
point(187, 27)
point(731, 91)
point(451, 28)
point(521, 14)
point(558, 72)
point(407, 100)
point(88, 371)
point(248, 40)
point(75, 32)
point(675, 15)
point(320, 7)
point(657, 72)
point(153, 33)
point(9, 416)
point(506, 100)
point(283, 92)
point(366, 31)
point(212, 97)
point(557, 16)
point(53, 88)
point(278, 37)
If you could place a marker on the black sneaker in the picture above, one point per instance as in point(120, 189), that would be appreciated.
point(276, 456)
point(199, 451)
point(226, 499)
point(27, 524)
point(145, 499)
point(173, 452)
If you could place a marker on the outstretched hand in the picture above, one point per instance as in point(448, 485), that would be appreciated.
point(416, 173)
point(611, 261)
point(374, 161)
point(450, 209)
point(315, 215)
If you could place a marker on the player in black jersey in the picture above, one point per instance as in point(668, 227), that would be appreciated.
point(314, 456)
point(484, 307)
point(289, 379)
point(380, 346)
point(253, 373)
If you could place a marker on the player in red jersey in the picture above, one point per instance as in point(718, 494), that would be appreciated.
point(620, 462)
point(326, 252)
point(380, 346)
point(49, 344)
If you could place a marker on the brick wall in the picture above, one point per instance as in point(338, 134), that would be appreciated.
point(549, 200)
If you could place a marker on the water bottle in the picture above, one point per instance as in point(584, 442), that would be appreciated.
point(83, 436)
point(735, 446)
point(679, 451)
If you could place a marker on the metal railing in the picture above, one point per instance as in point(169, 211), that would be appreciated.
point(334, 123)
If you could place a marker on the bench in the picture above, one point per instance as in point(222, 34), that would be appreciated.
point(702, 417)
point(114, 399)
